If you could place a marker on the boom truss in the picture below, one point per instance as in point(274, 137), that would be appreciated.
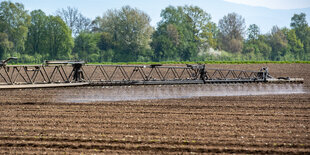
point(72, 73)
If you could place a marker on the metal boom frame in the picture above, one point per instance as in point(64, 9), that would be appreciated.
point(77, 72)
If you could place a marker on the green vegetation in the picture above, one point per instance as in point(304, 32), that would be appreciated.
point(183, 62)
point(202, 62)
point(185, 34)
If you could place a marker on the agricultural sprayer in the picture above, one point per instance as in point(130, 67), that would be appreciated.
point(78, 73)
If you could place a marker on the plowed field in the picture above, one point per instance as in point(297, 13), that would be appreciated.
point(277, 124)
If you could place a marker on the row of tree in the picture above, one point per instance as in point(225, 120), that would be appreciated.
point(185, 33)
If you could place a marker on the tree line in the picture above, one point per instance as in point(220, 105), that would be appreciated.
point(185, 33)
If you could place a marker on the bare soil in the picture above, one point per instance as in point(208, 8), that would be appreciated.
point(32, 122)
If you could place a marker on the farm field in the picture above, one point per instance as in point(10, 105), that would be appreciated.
point(33, 121)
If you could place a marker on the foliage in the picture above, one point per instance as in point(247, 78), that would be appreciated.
point(60, 39)
point(86, 47)
point(37, 41)
point(205, 62)
point(302, 30)
point(14, 22)
point(128, 30)
point(231, 31)
point(182, 33)
point(48, 37)
point(5, 45)
point(185, 34)
point(253, 32)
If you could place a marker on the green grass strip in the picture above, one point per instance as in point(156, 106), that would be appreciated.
point(189, 62)
point(206, 62)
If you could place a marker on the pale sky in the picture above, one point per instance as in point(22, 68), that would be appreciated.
point(275, 4)
point(264, 13)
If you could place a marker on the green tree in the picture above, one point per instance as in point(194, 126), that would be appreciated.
point(263, 48)
point(295, 45)
point(48, 38)
point(251, 44)
point(302, 30)
point(106, 46)
point(86, 47)
point(278, 42)
point(299, 23)
point(253, 32)
point(14, 21)
point(37, 41)
point(258, 48)
point(5, 45)
point(203, 28)
point(173, 36)
point(182, 33)
point(231, 31)
point(130, 30)
point(60, 41)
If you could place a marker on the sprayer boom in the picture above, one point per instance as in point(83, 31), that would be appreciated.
point(77, 73)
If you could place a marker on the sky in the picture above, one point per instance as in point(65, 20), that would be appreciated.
point(264, 13)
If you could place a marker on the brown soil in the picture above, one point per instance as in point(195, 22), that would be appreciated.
point(270, 124)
